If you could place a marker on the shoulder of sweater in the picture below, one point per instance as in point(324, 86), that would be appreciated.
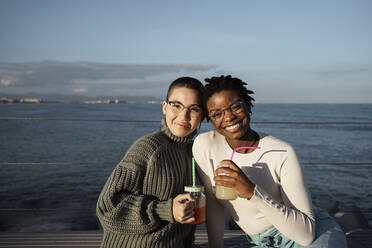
point(273, 142)
point(207, 137)
point(143, 150)
point(150, 143)
point(207, 142)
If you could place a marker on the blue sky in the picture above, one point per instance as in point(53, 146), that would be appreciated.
point(287, 51)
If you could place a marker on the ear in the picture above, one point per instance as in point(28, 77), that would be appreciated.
point(164, 107)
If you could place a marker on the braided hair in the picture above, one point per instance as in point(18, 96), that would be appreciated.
point(217, 84)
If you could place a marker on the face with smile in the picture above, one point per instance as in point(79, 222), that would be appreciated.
point(235, 119)
point(180, 111)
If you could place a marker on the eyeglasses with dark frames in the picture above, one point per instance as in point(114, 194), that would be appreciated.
point(234, 108)
point(177, 107)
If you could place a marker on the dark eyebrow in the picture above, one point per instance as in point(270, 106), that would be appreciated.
point(198, 105)
point(226, 107)
point(175, 102)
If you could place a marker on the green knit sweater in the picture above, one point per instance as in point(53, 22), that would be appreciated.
point(135, 205)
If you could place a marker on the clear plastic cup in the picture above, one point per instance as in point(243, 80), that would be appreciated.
point(197, 193)
point(226, 193)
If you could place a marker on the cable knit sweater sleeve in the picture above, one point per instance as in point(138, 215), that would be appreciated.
point(122, 207)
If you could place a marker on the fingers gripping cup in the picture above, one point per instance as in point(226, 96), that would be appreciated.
point(197, 193)
point(226, 193)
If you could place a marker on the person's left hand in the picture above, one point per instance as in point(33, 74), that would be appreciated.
point(183, 208)
point(228, 174)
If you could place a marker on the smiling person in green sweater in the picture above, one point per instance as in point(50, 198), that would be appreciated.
point(142, 203)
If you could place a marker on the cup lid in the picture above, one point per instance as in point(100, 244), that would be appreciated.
point(194, 189)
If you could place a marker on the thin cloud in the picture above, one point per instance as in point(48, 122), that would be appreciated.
point(88, 77)
point(341, 71)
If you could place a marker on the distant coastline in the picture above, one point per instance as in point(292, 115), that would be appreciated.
point(76, 99)
point(34, 98)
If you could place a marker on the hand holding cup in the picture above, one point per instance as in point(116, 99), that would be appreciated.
point(228, 174)
point(183, 208)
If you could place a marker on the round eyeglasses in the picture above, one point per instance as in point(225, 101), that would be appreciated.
point(177, 107)
point(234, 108)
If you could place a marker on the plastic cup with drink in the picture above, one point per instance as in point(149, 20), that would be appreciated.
point(226, 193)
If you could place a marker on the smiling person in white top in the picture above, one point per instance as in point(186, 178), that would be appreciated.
point(273, 206)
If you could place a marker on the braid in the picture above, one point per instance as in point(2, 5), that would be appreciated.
point(217, 84)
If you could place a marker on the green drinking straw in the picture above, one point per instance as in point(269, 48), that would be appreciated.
point(193, 172)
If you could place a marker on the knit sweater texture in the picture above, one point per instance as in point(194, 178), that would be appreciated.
point(135, 205)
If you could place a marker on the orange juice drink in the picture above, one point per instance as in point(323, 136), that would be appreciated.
point(197, 193)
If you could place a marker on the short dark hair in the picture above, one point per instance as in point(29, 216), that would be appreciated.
point(187, 82)
point(217, 84)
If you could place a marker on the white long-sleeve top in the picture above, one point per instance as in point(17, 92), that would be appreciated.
point(280, 199)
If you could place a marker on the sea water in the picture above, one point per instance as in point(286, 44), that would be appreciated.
point(332, 141)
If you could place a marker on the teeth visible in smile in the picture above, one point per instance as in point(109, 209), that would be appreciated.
point(233, 127)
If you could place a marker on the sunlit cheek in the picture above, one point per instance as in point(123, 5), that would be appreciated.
point(194, 125)
point(169, 118)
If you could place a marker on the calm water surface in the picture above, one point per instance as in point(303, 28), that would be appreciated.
point(330, 154)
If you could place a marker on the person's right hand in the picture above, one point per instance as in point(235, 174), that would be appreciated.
point(183, 208)
point(230, 175)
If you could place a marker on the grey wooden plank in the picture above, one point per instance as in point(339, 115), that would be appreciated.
point(232, 239)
